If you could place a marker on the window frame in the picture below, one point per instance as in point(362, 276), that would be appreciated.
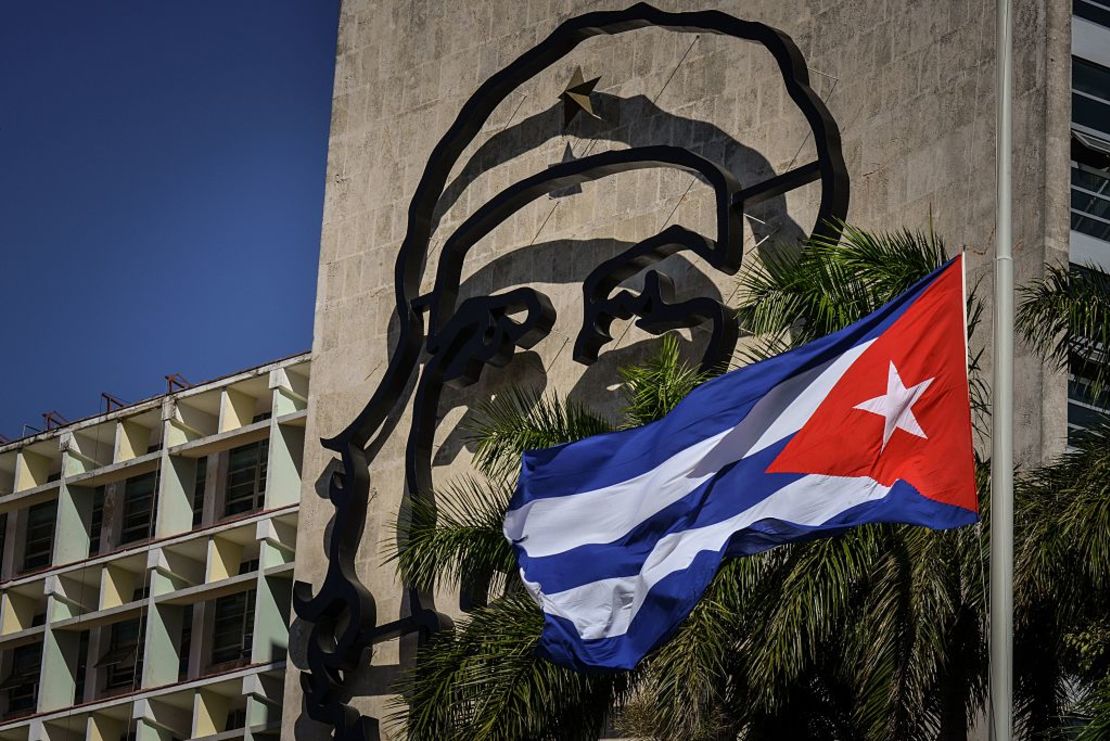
point(252, 481)
point(43, 557)
point(226, 653)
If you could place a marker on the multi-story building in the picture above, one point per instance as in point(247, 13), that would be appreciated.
point(1090, 167)
point(147, 563)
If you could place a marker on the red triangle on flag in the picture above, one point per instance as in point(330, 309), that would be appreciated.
point(901, 411)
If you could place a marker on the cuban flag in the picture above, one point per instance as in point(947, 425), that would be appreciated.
point(618, 535)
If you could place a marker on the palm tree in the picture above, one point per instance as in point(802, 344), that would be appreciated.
point(1066, 317)
point(879, 633)
point(1062, 570)
point(483, 680)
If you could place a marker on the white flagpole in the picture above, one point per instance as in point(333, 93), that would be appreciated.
point(1002, 453)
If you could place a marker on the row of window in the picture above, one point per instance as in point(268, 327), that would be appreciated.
point(121, 661)
point(244, 486)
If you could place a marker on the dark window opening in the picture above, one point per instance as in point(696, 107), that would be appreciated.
point(82, 668)
point(248, 566)
point(40, 536)
point(138, 508)
point(3, 535)
point(233, 630)
point(97, 523)
point(246, 478)
point(186, 644)
point(22, 683)
point(236, 718)
point(1090, 201)
point(1090, 99)
point(122, 661)
point(200, 480)
point(261, 416)
point(1092, 12)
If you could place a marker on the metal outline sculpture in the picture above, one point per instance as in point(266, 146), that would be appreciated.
point(481, 331)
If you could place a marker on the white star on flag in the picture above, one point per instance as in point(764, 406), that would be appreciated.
point(896, 406)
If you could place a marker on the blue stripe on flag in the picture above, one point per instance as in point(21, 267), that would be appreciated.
point(715, 500)
point(678, 593)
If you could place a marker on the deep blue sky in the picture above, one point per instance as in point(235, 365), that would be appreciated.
point(161, 188)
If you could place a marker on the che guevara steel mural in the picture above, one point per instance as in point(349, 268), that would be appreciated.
point(442, 341)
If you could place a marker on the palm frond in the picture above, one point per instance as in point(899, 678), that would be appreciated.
point(523, 419)
point(484, 680)
point(1097, 708)
point(653, 388)
point(1062, 580)
point(1063, 516)
point(1065, 316)
point(829, 284)
point(453, 539)
point(761, 347)
point(683, 688)
point(811, 595)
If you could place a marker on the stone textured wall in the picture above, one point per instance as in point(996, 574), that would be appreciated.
point(910, 83)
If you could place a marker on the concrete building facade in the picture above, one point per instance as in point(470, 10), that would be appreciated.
point(910, 84)
point(147, 564)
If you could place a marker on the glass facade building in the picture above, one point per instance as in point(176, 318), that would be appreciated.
point(1090, 170)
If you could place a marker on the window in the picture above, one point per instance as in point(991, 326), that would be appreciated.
point(236, 718)
point(186, 642)
point(40, 536)
point(3, 534)
point(122, 661)
point(246, 478)
point(1090, 201)
point(233, 629)
point(1096, 11)
point(82, 668)
point(22, 683)
point(200, 479)
point(1090, 95)
point(1085, 409)
point(138, 507)
point(97, 523)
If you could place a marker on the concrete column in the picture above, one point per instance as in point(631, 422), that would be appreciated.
point(163, 643)
point(272, 601)
point(283, 470)
point(175, 496)
point(60, 662)
point(73, 530)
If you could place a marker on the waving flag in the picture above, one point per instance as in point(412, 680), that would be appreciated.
point(618, 535)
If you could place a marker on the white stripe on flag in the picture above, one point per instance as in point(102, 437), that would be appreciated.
point(605, 608)
point(544, 527)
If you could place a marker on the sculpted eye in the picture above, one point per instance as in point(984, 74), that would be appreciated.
point(482, 332)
